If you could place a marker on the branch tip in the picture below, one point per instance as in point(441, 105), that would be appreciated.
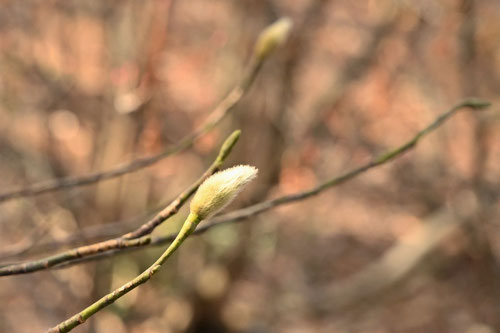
point(272, 37)
point(476, 103)
point(228, 145)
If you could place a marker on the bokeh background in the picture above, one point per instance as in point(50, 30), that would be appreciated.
point(87, 85)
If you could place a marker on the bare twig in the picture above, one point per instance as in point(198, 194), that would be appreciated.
point(245, 213)
point(353, 70)
point(32, 244)
point(222, 109)
point(79, 318)
point(138, 237)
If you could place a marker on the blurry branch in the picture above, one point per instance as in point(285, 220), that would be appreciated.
point(397, 263)
point(24, 245)
point(138, 237)
point(354, 68)
point(245, 213)
point(216, 116)
point(268, 41)
point(32, 243)
point(481, 243)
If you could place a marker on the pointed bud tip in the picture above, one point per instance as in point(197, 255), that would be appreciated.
point(272, 37)
point(476, 103)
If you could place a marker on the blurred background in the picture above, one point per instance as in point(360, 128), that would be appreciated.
point(412, 246)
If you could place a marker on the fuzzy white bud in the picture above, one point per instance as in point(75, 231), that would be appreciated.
point(220, 189)
point(272, 37)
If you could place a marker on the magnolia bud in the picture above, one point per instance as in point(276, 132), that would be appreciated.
point(220, 189)
point(272, 37)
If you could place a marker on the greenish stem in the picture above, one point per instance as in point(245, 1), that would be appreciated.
point(171, 209)
point(187, 228)
point(245, 213)
point(137, 238)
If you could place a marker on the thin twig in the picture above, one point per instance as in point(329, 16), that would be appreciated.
point(78, 319)
point(139, 237)
point(31, 244)
point(245, 213)
point(222, 109)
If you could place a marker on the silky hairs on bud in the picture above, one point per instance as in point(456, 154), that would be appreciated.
point(220, 189)
point(272, 37)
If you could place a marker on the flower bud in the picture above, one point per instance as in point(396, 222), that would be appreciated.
point(272, 37)
point(220, 189)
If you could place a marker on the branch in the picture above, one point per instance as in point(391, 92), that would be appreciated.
point(222, 109)
point(213, 195)
point(66, 326)
point(139, 237)
point(245, 213)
